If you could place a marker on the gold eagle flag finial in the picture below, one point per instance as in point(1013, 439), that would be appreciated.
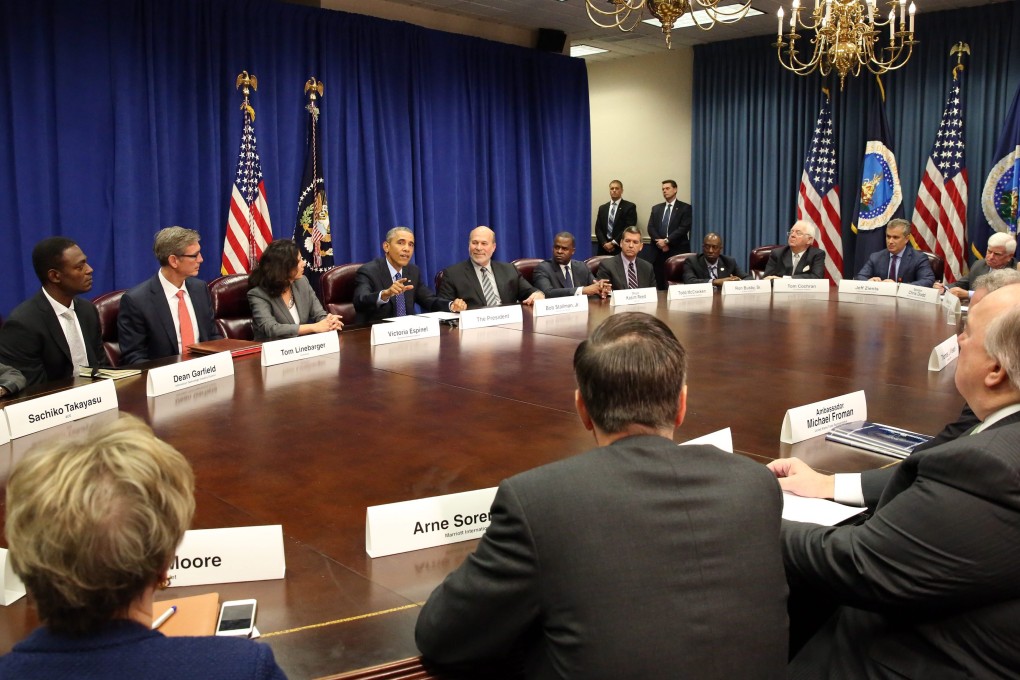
point(959, 49)
point(311, 87)
point(244, 82)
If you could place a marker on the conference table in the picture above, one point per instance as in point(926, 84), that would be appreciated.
point(311, 444)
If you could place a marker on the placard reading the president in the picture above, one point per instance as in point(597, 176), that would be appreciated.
point(229, 555)
point(812, 420)
point(490, 316)
point(561, 305)
point(404, 329)
point(427, 522)
point(27, 417)
point(633, 296)
point(301, 347)
point(166, 379)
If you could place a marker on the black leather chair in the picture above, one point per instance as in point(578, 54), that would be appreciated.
point(759, 259)
point(231, 310)
point(337, 290)
point(108, 306)
point(674, 268)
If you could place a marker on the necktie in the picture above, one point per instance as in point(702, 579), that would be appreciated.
point(665, 220)
point(796, 260)
point(632, 276)
point(184, 318)
point(612, 217)
point(713, 271)
point(894, 267)
point(74, 341)
point(566, 276)
point(491, 297)
point(398, 300)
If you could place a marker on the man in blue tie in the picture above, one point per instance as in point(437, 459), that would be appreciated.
point(669, 229)
point(899, 262)
point(563, 276)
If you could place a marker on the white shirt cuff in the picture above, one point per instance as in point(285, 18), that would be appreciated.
point(847, 489)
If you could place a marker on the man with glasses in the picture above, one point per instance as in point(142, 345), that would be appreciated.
point(800, 259)
point(164, 315)
point(999, 255)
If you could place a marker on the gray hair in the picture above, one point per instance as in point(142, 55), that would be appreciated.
point(393, 232)
point(996, 279)
point(899, 223)
point(1002, 343)
point(1003, 239)
point(173, 241)
point(810, 226)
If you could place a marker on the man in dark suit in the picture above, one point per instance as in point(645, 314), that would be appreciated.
point(711, 266)
point(50, 335)
point(480, 281)
point(381, 285)
point(563, 276)
point(999, 255)
point(669, 228)
point(612, 218)
point(928, 584)
point(629, 560)
point(899, 262)
point(11, 381)
point(800, 258)
point(161, 317)
point(627, 270)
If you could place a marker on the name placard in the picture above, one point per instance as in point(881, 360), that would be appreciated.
point(11, 587)
point(412, 525)
point(561, 305)
point(820, 417)
point(910, 292)
point(868, 287)
point(301, 347)
point(694, 290)
point(490, 316)
point(407, 328)
point(208, 556)
point(746, 287)
point(28, 417)
point(944, 353)
point(953, 307)
point(800, 286)
point(166, 379)
point(721, 439)
point(633, 296)
point(5, 433)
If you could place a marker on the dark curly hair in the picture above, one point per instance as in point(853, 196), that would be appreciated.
point(274, 269)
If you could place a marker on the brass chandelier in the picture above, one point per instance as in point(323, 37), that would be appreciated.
point(846, 37)
point(625, 14)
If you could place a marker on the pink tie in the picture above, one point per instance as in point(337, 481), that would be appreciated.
point(187, 331)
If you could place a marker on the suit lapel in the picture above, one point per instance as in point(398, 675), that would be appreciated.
point(161, 305)
point(53, 324)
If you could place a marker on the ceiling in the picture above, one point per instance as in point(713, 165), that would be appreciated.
point(570, 17)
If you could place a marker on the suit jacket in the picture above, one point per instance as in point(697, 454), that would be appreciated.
point(374, 277)
point(125, 649)
point(145, 327)
point(11, 379)
point(461, 282)
point(696, 269)
point(626, 216)
point(679, 232)
point(914, 267)
point(614, 270)
point(811, 265)
point(549, 278)
point(270, 318)
point(980, 268)
point(32, 340)
point(930, 584)
point(628, 561)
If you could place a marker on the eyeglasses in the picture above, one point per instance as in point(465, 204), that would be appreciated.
point(193, 256)
point(797, 233)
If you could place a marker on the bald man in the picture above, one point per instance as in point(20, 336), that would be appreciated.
point(480, 281)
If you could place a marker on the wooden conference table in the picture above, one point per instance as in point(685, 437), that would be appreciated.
point(311, 444)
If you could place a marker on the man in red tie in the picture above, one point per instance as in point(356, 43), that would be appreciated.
point(165, 315)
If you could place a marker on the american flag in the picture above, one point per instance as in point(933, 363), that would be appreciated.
point(940, 213)
point(818, 198)
point(248, 226)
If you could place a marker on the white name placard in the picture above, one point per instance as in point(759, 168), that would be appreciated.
point(208, 556)
point(633, 296)
point(868, 287)
point(911, 292)
point(5, 433)
point(561, 305)
point(37, 414)
point(407, 328)
point(746, 287)
point(694, 290)
point(301, 347)
point(812, 420)
point(944, 353)
point(166, 379)
point(490, 316)
point(721, 439)
point(11, 589)
point(427, 522)
point(800, 285)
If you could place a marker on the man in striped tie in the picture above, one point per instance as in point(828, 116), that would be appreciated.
point(480, 281)
point(627, 270)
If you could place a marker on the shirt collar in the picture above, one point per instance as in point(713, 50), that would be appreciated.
point(58, 308)
point(169, 289)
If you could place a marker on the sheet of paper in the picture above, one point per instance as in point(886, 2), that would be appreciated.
point(442, 316)
point(816, 510)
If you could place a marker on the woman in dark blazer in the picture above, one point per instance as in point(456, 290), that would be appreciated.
point(92, 526)
point(283, 304)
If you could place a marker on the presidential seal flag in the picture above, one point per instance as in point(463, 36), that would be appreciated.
point(940, 212)
point(999, 197)
point(311, 232)
point(881, 197)
point(818, 197)
point(248, 226)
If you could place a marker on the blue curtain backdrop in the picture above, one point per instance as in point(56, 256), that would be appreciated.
point(753, 122)
point(120, 117)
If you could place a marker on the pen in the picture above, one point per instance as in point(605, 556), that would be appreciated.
point(163, 617)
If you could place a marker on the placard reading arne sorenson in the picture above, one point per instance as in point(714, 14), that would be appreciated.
point(427, 522)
